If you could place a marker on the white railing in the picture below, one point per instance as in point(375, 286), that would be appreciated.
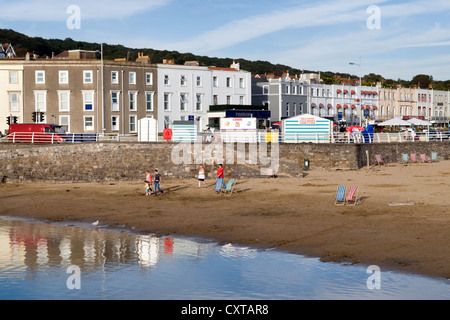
point(35, 137)
point(258, 136)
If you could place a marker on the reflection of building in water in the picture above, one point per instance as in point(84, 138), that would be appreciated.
point(34, 244)
point(147, 248)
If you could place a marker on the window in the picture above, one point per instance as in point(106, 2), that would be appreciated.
point(64, 122)
point(87, 77)
point(133, 100)
point(88, 123)
point(166, 122)
point(215, 82)
point(13, 77)
point(241, 100)
point(13, 101)
point(40, 101)
point(114, 77)
point(149, 78)
point(216, 99)
point(183, 81)
point(64, 101)
point(115, 100)
point(198, 102)
point(228, 99)
point(183, 101)
point(88, 100)
point(241, 83)
point(40, 77)
point(199, 81)
point(166, 79)
point(228, 82)
point(132, 123)
point(63, 77)
point(149, 101)
point(166, 101)
point(132, 77)
point(114, 123)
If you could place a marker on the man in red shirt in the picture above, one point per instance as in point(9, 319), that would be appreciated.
point(220, 179)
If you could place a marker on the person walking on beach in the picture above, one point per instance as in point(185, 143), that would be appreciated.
point(201, 177)
point(220, 177)
point(157, 182)
point(148, 183)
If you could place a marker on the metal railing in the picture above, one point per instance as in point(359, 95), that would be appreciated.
point(36, 137)
point(254, 137)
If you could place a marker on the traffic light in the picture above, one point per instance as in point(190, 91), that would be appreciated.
point(41, 117)
point(14, 119)
point(34, 116)
point(8, 120)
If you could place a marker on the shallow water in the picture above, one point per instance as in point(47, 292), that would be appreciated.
point(37, 262)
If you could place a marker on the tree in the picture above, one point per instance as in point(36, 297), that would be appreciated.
point(422, 81)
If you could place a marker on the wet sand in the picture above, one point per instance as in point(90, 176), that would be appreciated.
point(292, 214)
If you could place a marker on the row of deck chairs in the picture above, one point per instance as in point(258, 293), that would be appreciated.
point(413, 158)
point(410, 158)
point(350, 199)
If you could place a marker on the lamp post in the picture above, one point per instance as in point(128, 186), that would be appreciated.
point(360, 87)
point(103, 98)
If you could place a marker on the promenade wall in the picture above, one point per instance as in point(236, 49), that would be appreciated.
point(113, 161)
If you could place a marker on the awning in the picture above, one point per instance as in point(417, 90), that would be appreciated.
point(353, 106)
point(329, 105)
point(352, 92)
point(338, 91)
point(345, 91)
point(367, 107)
point(374, 92)
point(313, 105)
point(321, 105)
point(338, 106)
point(374, 107)
point(345, 106)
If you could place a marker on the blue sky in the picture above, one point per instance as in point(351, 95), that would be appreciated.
point(397, 39)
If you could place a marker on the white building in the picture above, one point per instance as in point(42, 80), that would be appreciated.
point(11, 93)
point(185, 92)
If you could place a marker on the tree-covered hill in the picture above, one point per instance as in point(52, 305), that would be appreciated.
point(46, 47)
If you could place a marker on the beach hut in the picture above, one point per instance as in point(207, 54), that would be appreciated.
point(184, 131)
point(307, 128)
point(148, 130)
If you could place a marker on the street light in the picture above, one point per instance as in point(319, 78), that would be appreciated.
point(103, 98)
point(360, 84)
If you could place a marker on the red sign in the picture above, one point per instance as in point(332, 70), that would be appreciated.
point(167, 134)
point(307, 121)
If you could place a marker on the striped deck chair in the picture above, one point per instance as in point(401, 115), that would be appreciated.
point(424, 158)
point(405, 158)
point(379, 159)
point(340, 196)
point(413, 158)
point(352, 196)
point(434, 156)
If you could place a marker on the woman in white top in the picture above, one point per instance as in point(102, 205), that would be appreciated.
point(201, 177)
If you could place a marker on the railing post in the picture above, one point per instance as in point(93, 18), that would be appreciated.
point(32, 137)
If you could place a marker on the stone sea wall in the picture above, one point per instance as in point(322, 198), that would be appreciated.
point(112, 161)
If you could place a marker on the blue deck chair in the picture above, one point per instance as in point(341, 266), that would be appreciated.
point(230, 186)
point(340, 196)
point(219, 183)
point(433, 156)
point(405, 158)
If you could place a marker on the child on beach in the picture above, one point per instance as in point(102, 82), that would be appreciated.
point(147, 188)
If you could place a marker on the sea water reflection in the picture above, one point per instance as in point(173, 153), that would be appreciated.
point(35, 257)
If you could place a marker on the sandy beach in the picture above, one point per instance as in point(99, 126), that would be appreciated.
point(292, 214)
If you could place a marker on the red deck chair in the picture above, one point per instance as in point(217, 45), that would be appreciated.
point(352, 196)
point(424, 158)
point(413, 158)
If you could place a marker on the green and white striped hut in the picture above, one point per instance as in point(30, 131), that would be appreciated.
point(184, 131)
point(307, 128)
